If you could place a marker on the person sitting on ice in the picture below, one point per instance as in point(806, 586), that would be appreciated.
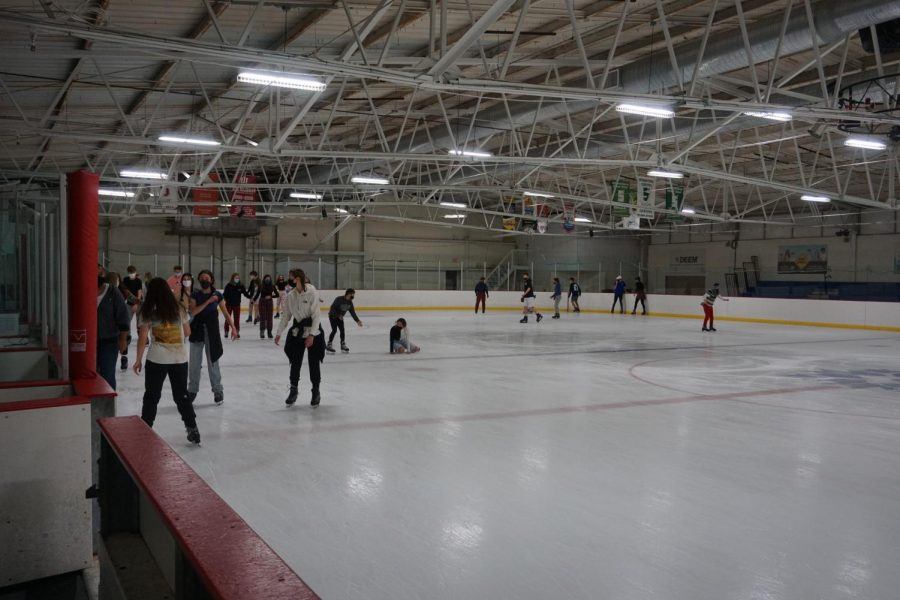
point(399, 340)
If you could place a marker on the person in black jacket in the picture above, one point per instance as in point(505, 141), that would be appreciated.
point(265, 293)
point(640, 295)
point(340, 307)
point(113, 325)
point(399, 339)
point(481, 294)
point(232, 294)
point(251, 293)
point(206, 303)
point(528, 299)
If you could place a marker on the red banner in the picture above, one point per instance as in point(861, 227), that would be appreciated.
point(206, 200)
point(243, 201)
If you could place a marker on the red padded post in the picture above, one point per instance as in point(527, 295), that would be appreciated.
point(83, 227)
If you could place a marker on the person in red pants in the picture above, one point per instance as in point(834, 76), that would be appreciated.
point(708, 300)
point(481, 294)
point(233, 292)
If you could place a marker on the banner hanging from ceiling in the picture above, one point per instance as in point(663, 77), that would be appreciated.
point(243, 200)
point(206, 200)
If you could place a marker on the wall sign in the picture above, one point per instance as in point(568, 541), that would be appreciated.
point(693, 262)
point(802, 259)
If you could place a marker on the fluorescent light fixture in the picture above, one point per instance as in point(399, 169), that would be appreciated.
point(252, 143)
point(180, 139)
point(306, 195)
point(371, 180)
point(285, 80)
point(867, 143)
point(455, 216)
point(537, 194)
point(116, 193)
point(771, 116)
point(342, 211)
point(688, 211)
point(661, 112)
point(666, 174)
point(143, 174)
point(454, 204)
point(810, 198)
point(471, 153)
point(227, 205)
point(186, 175)
point(582, 220)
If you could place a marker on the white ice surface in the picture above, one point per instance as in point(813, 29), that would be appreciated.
point(595, 457)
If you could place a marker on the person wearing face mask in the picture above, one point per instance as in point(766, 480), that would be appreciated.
point(233, 292)
point(206, 303)
point(340, 307)
point(302, 317)
point(132, 288)
point(252, 290)
point(281, 286)
point(184, 296)
point(113, 325)
point(265, 293)
point(175, 280)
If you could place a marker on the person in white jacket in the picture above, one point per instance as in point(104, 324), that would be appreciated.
point(301, 317)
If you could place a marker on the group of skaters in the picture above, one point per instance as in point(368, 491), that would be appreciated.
point(178, 324)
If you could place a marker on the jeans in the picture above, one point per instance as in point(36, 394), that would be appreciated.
point(336, 325)
point(107, 354)
point(215, 376)
point(154, 376)
point(618, 298)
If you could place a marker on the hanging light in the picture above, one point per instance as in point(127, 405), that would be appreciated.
point(454, 204)
point(662, 112)
point(771, 116)
point(370, 180)
point(868, 143)
point(582, 220)
point(342, 211)
point(306, 195)
point(687, 210)
point(471, 153)
point(181, 139)
point(537, 194)
point(455, 216)
point(284, 80)
point(664, 173)
point(811, 198)
point(116, 193)
point(143, 174)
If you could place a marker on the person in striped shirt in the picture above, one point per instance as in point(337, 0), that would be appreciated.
point(708, 300)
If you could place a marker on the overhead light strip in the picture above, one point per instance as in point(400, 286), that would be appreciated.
point(143, 174)
point(284, 80)
point(176, 139)
point(370, 180)
point(661, 112)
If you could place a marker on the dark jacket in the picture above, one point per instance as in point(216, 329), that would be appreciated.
point(340, 307)
point(481, 288)
point(396, 332)
point(205, 324)
point(233, 293)
point(112, 315)
point(266, 291)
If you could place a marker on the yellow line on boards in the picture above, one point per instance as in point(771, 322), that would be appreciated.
point(654, 314)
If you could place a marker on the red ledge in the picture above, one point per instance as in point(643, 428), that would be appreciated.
point(37, 404)
point(9, 385)
point(233, 562)
point(24, 349)
point(94, 388)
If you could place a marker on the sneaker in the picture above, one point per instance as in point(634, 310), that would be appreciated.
point(316, 398)
point(124, 363)
point(218, 399)
point(193, 435)
point(329, 348)
point(292, 397)
point(539, 317)
point(344, 348)
point(191, 397)
point(524, 320)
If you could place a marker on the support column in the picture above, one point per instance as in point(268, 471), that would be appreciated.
point(83, 228)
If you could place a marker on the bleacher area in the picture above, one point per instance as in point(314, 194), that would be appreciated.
point(869, 291)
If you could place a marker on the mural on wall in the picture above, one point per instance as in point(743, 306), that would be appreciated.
point(802, 259)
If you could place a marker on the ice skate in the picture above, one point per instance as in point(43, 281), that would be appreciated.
point(218, 399)
point(523, 320)
point(316, 398)
point(292, 397)
point(329, 348)
point(124, 363)
point(191, 397)
point(193, 435)
point(344, 348)
point(539, 317)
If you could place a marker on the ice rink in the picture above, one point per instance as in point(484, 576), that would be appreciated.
point(596, 456)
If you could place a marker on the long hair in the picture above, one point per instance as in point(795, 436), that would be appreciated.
point(300, 275)
point(182, 290)
point(160, 303)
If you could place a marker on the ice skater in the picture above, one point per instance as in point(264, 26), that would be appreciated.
point(574, 294)
point(233, 293)
point(528, 299)
point(557, 296)
point(113, 326)
point(163, 320)
point(301, 316)
point(619, 295)
point(281, 286)
point(252, 289)
point(640, 295)
point(481, 294)
point(265, 295)
point(206, 304)
point(708, 300)
point(340, 307)
point(174, 280)
point(399, 339)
